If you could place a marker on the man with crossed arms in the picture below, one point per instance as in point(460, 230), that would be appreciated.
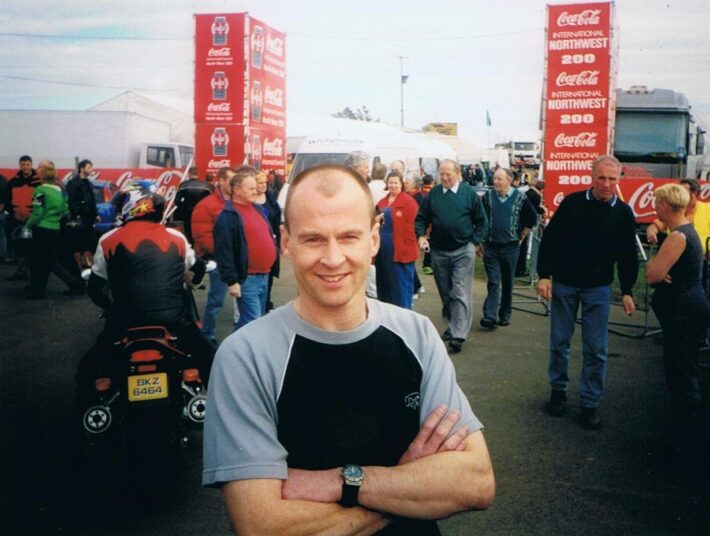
point(337, 413)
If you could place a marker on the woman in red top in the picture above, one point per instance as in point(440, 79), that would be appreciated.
point(398, 244)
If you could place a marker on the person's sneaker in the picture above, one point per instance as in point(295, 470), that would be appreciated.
point(427, 270)
point(589, 419)
point(504, 323)
point(415, 297)
point(455, 345)
point(488, 323)
point(557, 405)
point(18, 276)
point(446, 336)
point(421, 290)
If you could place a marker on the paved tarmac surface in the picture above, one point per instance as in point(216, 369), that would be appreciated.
point(553, 477)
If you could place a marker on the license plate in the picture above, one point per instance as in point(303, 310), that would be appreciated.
point(147, 387)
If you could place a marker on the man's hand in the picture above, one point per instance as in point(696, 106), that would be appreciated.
point(628, 303)
point(544, 288)
point(652, 234)
point(235, 290)
point(479, 250)
point(432, 436)
point(424, 243)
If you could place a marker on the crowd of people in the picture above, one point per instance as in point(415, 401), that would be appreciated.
point(354, 234)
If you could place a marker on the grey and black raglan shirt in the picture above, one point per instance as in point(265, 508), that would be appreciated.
point(284, 393)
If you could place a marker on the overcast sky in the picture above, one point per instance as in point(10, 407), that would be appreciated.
point(463, 57)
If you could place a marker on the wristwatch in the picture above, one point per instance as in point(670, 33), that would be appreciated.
point(353, 475)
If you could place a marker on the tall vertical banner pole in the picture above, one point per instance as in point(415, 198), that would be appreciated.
point(578, 95)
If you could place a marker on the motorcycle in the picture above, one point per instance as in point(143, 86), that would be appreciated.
point(148, 403)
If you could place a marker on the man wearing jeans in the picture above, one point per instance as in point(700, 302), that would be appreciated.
point(204, 218)
point(591, 231)
point(245, 248)
point(458, 224)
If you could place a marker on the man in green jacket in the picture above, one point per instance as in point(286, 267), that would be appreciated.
point(458, 224)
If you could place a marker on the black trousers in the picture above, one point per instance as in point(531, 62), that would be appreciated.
point(43, 259)
point(684, 318)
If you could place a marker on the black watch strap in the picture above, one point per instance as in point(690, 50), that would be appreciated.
point(350, 493)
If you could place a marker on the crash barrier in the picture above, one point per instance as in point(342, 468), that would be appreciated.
point(525, 296)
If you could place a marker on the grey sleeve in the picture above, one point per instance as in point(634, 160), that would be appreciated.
point(240, 433)
point(439, 384)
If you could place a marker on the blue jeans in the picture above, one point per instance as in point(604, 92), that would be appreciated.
point(215, 301)
point(252, 304)
point(595, 320)
point(500, 262)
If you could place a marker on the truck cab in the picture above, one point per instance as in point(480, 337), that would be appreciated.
point(165, 155)
point(656, 134)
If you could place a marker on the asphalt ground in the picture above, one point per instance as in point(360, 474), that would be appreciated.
point(553, 477)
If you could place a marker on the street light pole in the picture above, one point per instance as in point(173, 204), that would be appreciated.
point(401, 89)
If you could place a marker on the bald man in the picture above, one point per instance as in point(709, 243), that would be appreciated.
point(337, 413)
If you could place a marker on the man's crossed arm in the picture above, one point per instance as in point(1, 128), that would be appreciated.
point(436, 477)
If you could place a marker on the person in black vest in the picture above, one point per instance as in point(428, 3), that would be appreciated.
point(682, 308)
point(510, 218)
point(591, 231)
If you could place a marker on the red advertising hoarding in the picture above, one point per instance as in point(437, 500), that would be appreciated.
point(578, 101)
point(240, 93)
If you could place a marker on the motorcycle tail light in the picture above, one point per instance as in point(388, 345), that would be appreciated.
point(146, 355)
point(102, 384)
point(147, 368)
point(190, 375)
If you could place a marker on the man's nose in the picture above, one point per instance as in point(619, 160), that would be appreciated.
point(333, 255)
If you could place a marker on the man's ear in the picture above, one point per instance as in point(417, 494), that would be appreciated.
point(285, 241)
point(375, 237)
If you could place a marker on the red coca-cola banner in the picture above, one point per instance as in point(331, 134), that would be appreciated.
point(164, 180)
point(240, 93)
point(638, 193)
point(579, 89)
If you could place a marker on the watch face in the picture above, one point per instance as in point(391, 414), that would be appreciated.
point(352, 472)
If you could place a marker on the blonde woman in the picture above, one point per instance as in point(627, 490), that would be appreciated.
point(681, 306)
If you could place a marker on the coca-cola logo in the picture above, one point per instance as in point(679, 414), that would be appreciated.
point(275, 45)
point(642, 201)
point(273, 147)
point(124, 178)
point(583, 139)
point(588, 17)
point(221, 107)
point(557, 200)
point(212, 164)
point(223, 52)
point(585, 78)
point(274, 96)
